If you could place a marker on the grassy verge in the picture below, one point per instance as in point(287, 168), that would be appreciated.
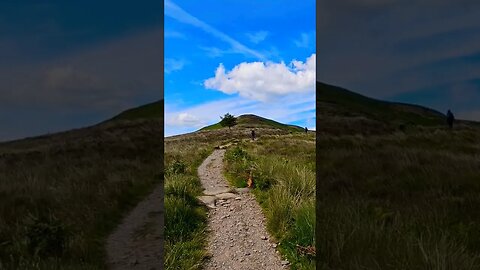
point(185, 219)
point(61, 195)
point(400, 201)
point(284, 180)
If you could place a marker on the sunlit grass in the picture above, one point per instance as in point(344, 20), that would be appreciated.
point(284, 179)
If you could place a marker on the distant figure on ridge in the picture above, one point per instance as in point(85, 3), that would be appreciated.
point(253, 134)
point(306, 130)
point(450, 119)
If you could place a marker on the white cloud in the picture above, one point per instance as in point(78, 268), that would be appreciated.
point(177, 13)
point(173, 65)
point(184, 119)
point(265, 80)
point(257, 37)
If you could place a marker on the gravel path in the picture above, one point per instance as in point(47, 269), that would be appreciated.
point(137, 243)
point(238, 238)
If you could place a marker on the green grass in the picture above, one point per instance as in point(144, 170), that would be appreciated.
point(62, 195)
point(396, 199)
point(396, 189)
point(212, 127)
point(284, 179)
point(185, 219)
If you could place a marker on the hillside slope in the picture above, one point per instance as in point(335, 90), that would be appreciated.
point(147, 111)
point(339, 109)
point(74, 187)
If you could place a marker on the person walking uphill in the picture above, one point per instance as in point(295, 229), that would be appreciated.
point(306, 130)
point(253, 134)
point(450, 119)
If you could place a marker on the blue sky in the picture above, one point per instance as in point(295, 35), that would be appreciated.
point(424, 52)
point(70, 64)
point(238, 57)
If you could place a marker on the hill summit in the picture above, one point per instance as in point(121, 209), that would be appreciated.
point(248, 121)
point(147, 111)
point(342, 111)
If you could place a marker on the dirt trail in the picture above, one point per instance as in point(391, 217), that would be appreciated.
point(137, 243)
point(237, 235)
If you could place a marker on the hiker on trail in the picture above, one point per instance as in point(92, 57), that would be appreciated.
point(306, 130)
point(450, 119)
point(253, 134)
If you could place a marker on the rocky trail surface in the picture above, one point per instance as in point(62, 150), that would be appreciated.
point(137, 242)
point(238, 238)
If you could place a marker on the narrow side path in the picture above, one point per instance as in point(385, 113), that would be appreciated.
point(238, 238)
point(137, 243)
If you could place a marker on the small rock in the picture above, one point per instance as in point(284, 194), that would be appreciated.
point(207, 200)
point(285, 262)
point(216, 191)
point(238, 198)
point(225, 196)
point(242, 190)
point(263, 238)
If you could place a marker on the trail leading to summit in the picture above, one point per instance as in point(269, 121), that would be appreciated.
point(238, 238)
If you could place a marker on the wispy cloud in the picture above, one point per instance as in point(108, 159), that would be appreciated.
point(401, 54)
point(215, 52)
point(177, 13)
point(174, 34)
point(102, 78)
point(265, 80)
point(306, 40)
point(257, 37)
point(172, 64)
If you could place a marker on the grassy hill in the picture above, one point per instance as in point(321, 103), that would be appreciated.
point(396, 189)
point(340, 108)
point(284, 159)
point(148, 111)
point(62, 194)
point(249, 121)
